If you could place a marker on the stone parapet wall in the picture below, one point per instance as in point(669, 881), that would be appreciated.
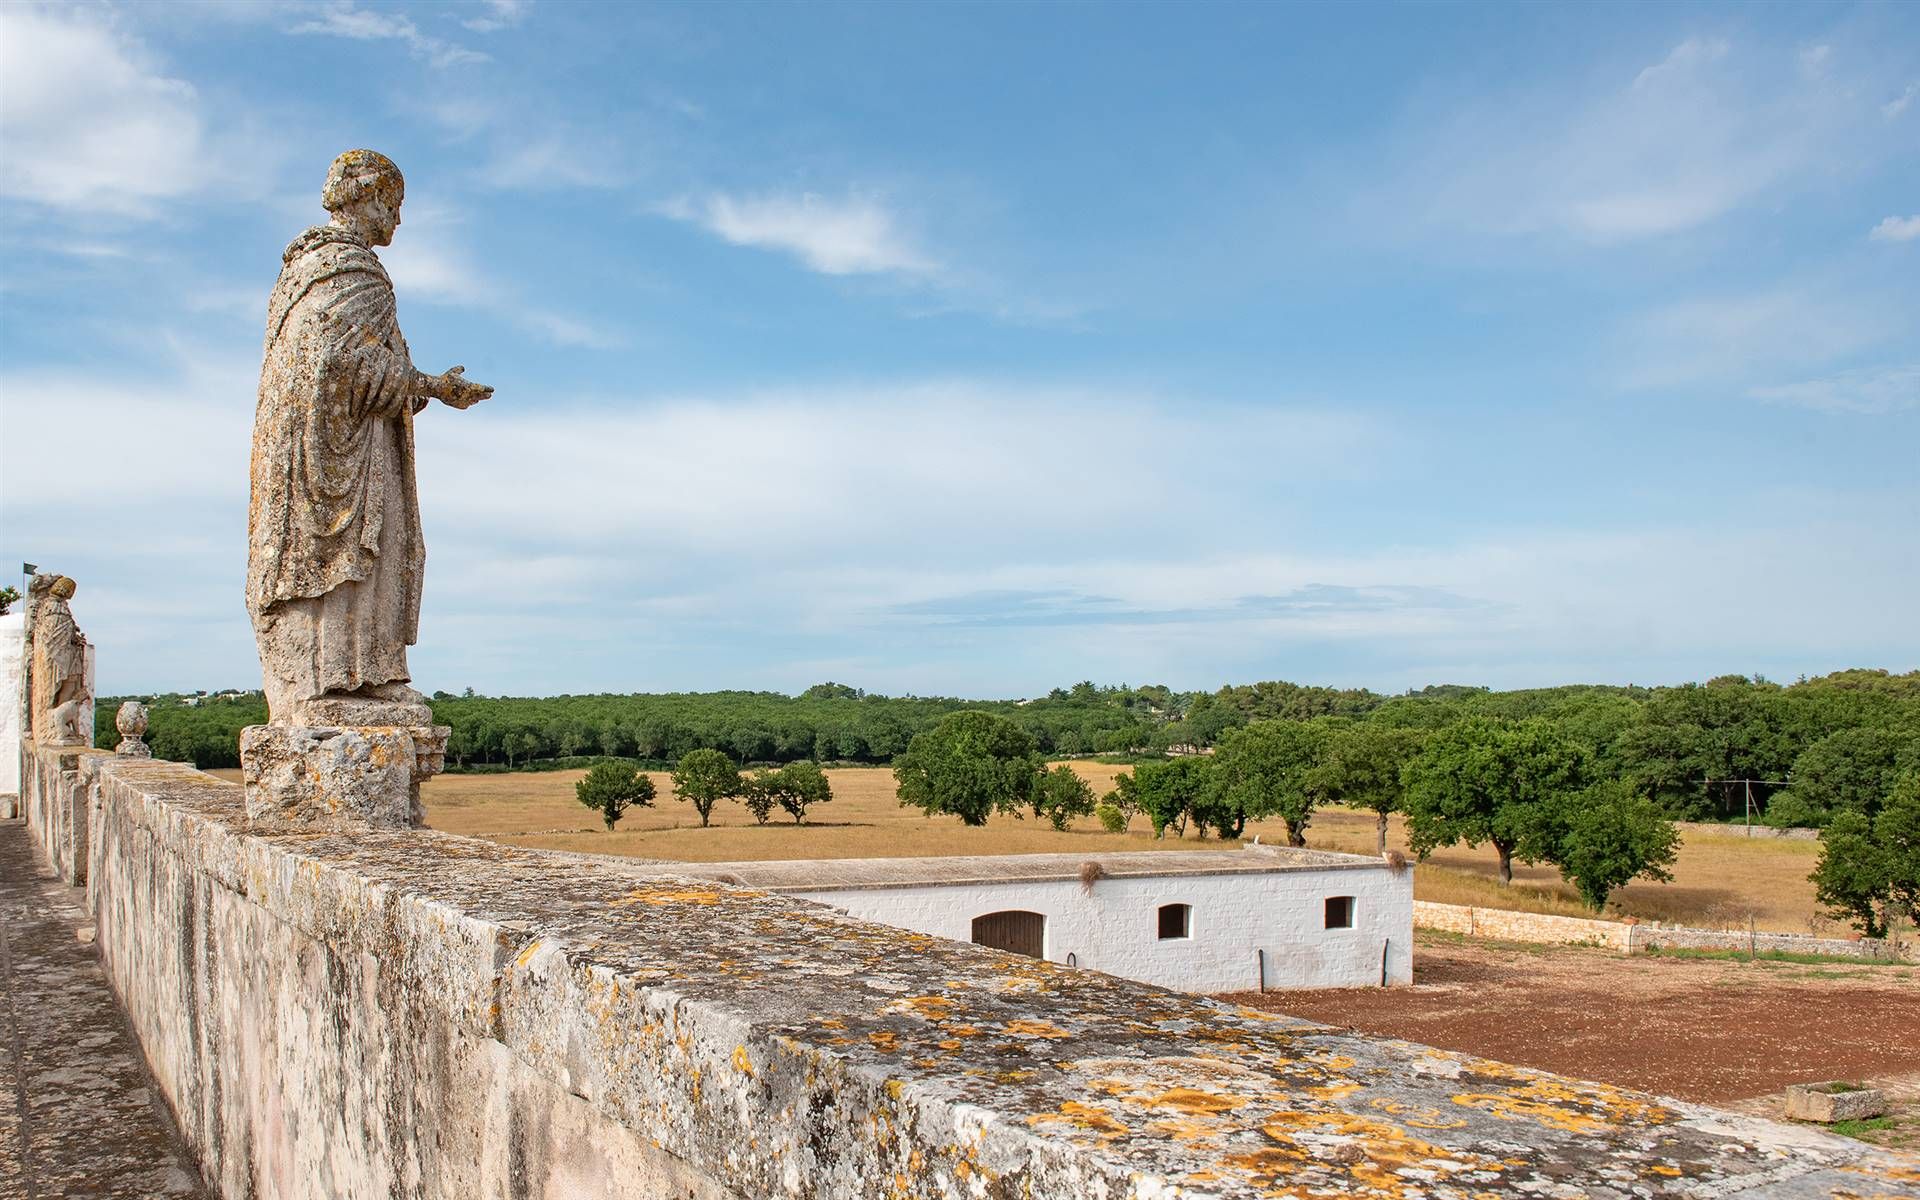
point(13, 707)
point(1506, 925)
point(411, 1014)
point(58, 786)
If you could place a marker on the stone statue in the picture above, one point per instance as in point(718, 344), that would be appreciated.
point(62, 701)
point(334, 549)
point(131, 721)
point(335, 554)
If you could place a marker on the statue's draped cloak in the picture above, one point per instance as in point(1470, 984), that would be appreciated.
point(335, 553)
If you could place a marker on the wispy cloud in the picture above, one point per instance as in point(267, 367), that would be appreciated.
point(1309, 603)
point(1902, 102)
point(1710, 127)
point(1868, 390)
point(499, 14)
point(1745, 337)
point(1897, 229)
point(433, 267)
point(854, 235)
point(344, 20)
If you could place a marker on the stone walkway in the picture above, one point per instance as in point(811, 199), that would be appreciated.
point(77, 1116)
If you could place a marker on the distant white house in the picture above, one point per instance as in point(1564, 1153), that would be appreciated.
point(1197, 920)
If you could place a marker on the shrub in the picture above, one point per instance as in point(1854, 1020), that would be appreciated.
point(1111, 818)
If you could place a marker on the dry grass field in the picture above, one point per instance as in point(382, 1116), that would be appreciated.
point(1720, 880)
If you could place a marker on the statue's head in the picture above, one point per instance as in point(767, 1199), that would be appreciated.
point(63, 588)
point(364, 189)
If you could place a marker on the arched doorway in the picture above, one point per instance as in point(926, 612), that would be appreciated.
point(1015, 929)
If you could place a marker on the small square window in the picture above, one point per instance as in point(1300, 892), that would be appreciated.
point(1176, 921)
point(1339, 912)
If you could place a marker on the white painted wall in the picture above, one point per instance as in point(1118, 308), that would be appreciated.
point(1115, 928)
point(13, 700)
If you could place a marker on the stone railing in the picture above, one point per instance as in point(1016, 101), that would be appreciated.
point(408, 1013)
point(1629, 937)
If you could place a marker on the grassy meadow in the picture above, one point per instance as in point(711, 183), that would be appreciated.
point(1721, 878)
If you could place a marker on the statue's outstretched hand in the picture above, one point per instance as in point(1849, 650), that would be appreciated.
point(457, 391)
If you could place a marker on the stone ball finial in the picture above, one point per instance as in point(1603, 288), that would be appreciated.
point(64, 587)
point(358, 173)
point(131, 721)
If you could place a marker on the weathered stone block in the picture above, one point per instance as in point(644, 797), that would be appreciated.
point(1834, 1101)
point(365, 777)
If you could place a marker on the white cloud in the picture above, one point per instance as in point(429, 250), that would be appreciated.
point(1710, 128)
point(1897, 229)
point(1868, 390)
point(747, 540)
point(500, 14)
point(428, 264)
point(88, 121)
point(1743, 337)
point(343, 20)
point(853, 236)
point(1902, 102)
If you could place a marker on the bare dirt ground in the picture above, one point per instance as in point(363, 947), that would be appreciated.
point(1708, 1030)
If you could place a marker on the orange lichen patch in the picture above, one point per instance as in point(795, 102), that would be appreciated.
point(742, 1062)
point(1587, 1108)
point(526, 955)
point(1519, 1108)
point(1898, 1174)
point(884, 1039)
point(831, 1023)
point(1191, 1100)
point(1419, 1116)
point(933, 1008)
point(1377, 1153)
point(1333, 1091)
point(1663, 1169)
point(1039, 1029)
point(668, 895)
point(1085, 1116)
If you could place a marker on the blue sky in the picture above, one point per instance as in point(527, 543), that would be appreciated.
point(976, 349)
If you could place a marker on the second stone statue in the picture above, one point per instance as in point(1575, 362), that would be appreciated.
point(335, 553)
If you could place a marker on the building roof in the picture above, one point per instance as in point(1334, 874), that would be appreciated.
point(838, 874)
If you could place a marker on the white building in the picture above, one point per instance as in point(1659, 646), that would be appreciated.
point(1197, 920)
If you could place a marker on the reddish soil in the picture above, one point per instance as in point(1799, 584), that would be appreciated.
point(1707, 1030)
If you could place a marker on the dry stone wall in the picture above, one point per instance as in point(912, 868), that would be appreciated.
point(410, 1014)
point(1502, 924)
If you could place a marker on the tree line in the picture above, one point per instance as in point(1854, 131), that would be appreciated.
point(1801, 753)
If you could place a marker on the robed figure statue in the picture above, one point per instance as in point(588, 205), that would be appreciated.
point(335, 552)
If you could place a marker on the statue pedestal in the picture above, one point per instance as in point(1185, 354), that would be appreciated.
point(340, 777)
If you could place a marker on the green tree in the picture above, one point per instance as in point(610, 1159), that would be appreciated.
point(1170, 791)
point(1606, 835)
point(1263, 770)
point(799, 786)
point(758, 793)
point(1852, 769)
point(1360, 767)
point(972, 764)
point(704, 778)
point(1062, 795)
point(1488, 780)
point(611, 788)
point(1869, 870)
